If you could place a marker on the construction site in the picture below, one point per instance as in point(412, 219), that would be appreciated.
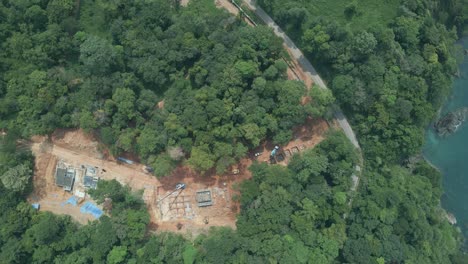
point(69, 162)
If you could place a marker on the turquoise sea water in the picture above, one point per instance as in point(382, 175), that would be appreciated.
point(450, 154)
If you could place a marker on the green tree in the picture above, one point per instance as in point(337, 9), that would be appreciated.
point(316, 40)
point(117, 255)
point(201, 159)
point(87, 121)
point(124, 100)
point(97, 55)
point(322, 100)
point(57, 10)
point(364, 43)
point(162, 164)
point(17, 178)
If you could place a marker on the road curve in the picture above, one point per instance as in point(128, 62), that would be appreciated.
point(306, 66)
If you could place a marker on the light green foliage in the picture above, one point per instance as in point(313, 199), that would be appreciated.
point(126, 140)
point(125, 102)
point(201, 159)
point(87, 121)
point(252, 133)
point(150, 75)
point(247, 69)
point(17, 178)
point(340, 198)
point(367, 13)
point(189, 254)
point(59, 9)
point(316, 40)
point(162, 164)
point(322, 100)
point(117, 255)
point(364, 43)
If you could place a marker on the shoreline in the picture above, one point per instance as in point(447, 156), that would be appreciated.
point(455, 103)
point(431, 164)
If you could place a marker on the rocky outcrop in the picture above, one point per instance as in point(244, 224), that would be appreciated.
point(449, 123)
point(450, 218)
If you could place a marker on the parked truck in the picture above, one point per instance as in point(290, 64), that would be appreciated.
point(124, 160)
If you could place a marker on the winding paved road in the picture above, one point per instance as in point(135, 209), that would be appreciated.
point(306, 66)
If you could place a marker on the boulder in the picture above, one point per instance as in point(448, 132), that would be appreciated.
point(449, 123)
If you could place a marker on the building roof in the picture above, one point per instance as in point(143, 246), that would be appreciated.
point(65, 178)
point(203, 198)
point(90, 182)
point(90, 171)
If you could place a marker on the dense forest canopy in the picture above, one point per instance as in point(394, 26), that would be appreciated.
point(390, 73)
point(220, 85)
point(168, 82)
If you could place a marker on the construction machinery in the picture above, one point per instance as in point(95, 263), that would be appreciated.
point(124, 160)
point(178, 188)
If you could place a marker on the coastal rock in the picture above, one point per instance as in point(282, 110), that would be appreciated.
point(451, 218)
point(449, 123)
point(412, 161)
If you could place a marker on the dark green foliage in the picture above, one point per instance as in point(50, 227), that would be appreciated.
point(16, 164)
point(27, 236)
point(170, 83)
point(121, 195)
point(162, 164)
point(221, 82)
point(294, 214)
point(164, 248)
point(390, 75)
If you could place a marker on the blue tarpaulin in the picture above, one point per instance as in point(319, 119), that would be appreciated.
point(90, 208)
point(36, 206)
point(72, 200)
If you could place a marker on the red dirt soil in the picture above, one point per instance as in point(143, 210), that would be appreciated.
point(78, 148)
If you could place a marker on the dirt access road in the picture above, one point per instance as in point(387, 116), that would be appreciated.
point(304, 64)
point(178, 213)
point(303, 70)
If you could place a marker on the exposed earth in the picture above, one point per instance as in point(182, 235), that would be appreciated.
point(179, 211)
point(169, 211)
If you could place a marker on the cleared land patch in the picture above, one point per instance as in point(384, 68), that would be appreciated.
point(178, 211)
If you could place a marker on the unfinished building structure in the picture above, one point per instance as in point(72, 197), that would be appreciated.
point(203, 198)
point(64, 177)
point(90, 180)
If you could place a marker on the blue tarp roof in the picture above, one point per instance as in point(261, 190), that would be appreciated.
point(72, 200)
point(90, 208)
point(36, 206)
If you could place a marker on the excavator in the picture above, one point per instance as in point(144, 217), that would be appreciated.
point(178, 188)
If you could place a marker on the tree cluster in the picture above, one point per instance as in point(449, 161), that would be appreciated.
point(390, 80)
point(290, 214)
point(170, 83)
point(147, 77)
